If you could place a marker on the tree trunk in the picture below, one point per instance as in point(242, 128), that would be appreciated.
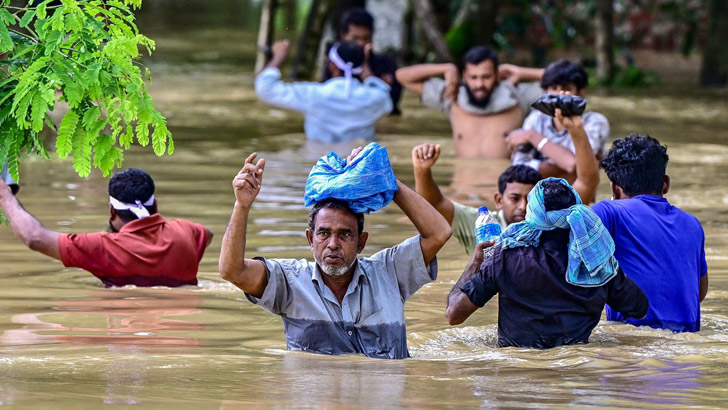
point(603, 28)
point(389, 24)
point(265, 32)
point(425, 14)
point(487, 12)
point(308, 43)
point(714, 71)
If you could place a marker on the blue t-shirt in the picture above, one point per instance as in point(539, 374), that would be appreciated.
point(662, 249)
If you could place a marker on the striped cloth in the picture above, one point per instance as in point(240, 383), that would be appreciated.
point(591, 248)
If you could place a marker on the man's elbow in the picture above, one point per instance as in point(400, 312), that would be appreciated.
point(444, 233)
point(452, 317)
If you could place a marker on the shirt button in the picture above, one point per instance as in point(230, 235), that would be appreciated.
point(350, 332)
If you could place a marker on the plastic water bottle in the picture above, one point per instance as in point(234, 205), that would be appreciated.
point(487, 228)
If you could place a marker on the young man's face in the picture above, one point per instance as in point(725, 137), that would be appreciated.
point(569, 88)
point(335, 241)
point(480, 79)
point(358, 34)
point(513, 201)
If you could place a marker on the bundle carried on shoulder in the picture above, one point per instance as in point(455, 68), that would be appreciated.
point(367, 183)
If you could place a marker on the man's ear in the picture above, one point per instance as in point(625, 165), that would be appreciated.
point(154, 207)
point(309, 236)
point(112, 213)
point(666, 185)
point(498, 199)
point(362, 241)
point(617, 192)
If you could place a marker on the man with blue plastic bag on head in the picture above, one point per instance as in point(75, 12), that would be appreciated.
point(553, 273)
point(339, 303)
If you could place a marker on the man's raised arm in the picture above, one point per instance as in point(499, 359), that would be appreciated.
point(424, 157)
point(433, 228)
point(587, 169)
point(248, 274)
point(413, 77)
point(26, 227)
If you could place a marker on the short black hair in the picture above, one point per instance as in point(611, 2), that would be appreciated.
point(333, 204)
point(357, 17)
point(637, 164)
point(478, 54)
point(563, 72)
point(350, 52)
point(557, 196)
point(522, 174)
point(130, 185)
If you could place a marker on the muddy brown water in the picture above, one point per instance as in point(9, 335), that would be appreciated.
point(66, 342)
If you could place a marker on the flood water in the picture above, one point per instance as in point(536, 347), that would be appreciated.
point(66, 342)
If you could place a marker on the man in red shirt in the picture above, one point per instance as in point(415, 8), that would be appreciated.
point(141, 247)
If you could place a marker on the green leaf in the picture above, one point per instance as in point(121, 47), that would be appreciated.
point(91, 116)
point(6, 43)
point(52, 41)
point(38, 112)
point(159, 138)
point(81, 152)
point(66, 131)
point(142, 133)
point(41, 9)
point(12, 156)
point(27, 17)
point(6, 17)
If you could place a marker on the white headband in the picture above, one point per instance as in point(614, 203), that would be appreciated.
point(346, 66)
point(137, 208)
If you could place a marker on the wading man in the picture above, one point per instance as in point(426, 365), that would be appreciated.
point(341, 109)
point(482, 109)
point(357, 25)
point(339, 303)
point(552, 272)
point(544, 143)
point(141, 248)
point(659, 246)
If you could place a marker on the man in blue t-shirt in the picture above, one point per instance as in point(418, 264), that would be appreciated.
point(660, 247)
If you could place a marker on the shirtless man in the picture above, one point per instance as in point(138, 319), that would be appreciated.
point(482, 109)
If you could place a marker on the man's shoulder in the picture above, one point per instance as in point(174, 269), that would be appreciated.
point(594, 117)
point(291, 266)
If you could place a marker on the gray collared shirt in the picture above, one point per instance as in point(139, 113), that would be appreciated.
point(370, 318)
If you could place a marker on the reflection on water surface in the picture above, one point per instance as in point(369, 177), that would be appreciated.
point(66, 342)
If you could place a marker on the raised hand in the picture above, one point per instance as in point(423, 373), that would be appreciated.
point(353, 154)
point(424, 156)
point(247, 182)
point(568, 122)
point(509, 72)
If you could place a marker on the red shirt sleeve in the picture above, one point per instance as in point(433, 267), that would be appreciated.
point(83, 250)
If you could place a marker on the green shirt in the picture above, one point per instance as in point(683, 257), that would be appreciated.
point(463, 224)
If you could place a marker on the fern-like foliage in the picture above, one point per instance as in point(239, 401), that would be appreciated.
point(83, 52)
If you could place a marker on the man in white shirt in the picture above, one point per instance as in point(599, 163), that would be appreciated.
point(341, 109)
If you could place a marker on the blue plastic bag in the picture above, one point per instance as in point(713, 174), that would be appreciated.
point(366, 184)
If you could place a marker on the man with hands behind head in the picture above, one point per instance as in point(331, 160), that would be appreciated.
point(339, 303)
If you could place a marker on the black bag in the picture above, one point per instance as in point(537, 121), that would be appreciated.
point(570, 104)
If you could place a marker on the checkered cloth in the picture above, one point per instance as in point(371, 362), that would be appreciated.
point(591, 248)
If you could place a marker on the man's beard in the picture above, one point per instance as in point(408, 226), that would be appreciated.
point(334, 270)
point(478, 102)
point(111, 228)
